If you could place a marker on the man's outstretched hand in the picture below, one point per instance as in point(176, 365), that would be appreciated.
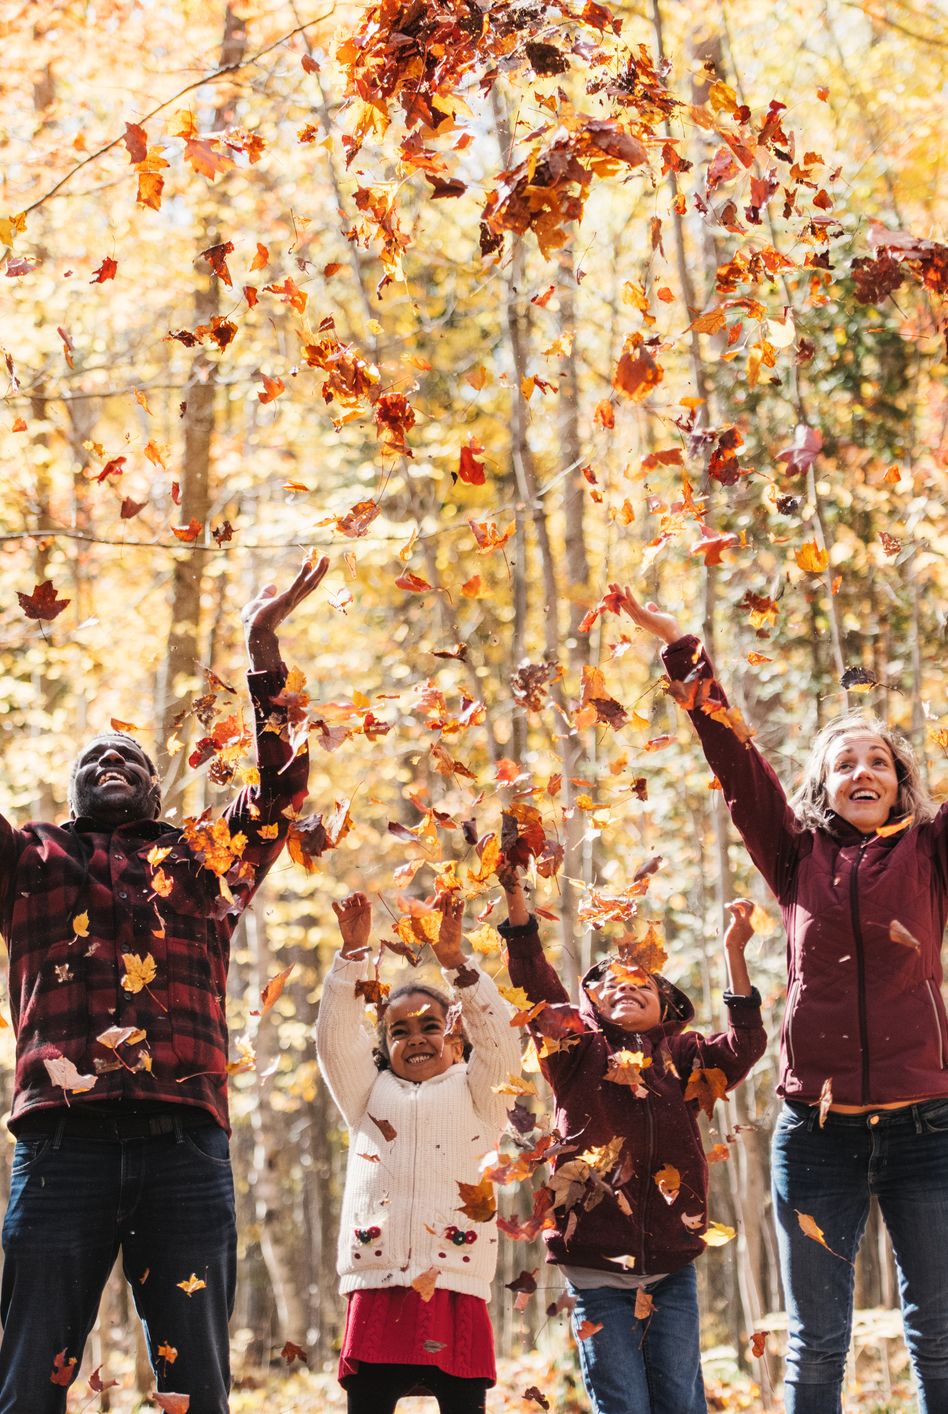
point(262, 616)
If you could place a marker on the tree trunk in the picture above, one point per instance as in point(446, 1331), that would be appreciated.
point(178, 674)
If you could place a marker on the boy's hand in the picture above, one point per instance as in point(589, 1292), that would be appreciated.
point(740, 930)
point(354, 915)
point(512, 884)
point(648, 616)
point(448, 949)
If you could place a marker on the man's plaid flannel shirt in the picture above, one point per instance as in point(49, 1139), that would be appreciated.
point(66, 976)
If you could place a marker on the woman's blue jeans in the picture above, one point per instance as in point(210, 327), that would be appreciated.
point(635, 1366)
point(829, 1174)
point(167, 1203)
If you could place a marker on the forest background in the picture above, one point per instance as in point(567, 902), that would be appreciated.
point(493, 303)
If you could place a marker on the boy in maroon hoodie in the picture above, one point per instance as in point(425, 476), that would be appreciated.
point(631, 1178)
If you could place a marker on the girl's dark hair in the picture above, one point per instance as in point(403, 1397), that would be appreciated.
point(666, 991)
point(380, 1054)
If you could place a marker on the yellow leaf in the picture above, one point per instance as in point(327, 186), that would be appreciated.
point(191, 1285)
point(139, 971)
point(717, 1234)
point(80, 925)
point(268, 832)
point(811, 558)
point(486, 940)
point(513, 1085)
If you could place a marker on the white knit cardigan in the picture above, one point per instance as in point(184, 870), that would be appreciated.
point(401, 1195)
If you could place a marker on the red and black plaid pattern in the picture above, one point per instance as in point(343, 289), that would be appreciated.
point(66, 976)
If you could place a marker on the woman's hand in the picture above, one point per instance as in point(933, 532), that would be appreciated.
point(649, 616)
point(354, 915)
point(448, 947)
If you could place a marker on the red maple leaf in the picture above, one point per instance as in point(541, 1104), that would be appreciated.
point(106, 271)
point(42, 603)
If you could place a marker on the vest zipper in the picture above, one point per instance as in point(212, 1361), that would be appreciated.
point(413, 1103)
point(647, 1184)
point(860, 970)
point(791, 1003)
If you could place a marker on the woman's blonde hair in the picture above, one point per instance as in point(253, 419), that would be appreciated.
point(809, 800)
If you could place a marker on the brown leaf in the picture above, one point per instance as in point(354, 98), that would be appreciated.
point(478, 1201)
point(898, 933)
point(758, 1344)
point(644, 1304)
point(826, 1099)
point(42, 603)
point(291, 1352)
point(274, 989)
point(136, 140)
point(707, 1086)
point(387, 1131)
point(216, 257)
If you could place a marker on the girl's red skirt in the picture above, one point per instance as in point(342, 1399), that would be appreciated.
point(394, 1326)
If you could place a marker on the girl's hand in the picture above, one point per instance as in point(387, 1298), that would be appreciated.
point(512, 884)
point(740, 930)
point(650, 616)
point(448, 947)
point(354, 915)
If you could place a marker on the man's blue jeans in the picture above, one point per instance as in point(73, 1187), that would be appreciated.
point(642, 1366)
point(168, 1204)
point(829, 1174)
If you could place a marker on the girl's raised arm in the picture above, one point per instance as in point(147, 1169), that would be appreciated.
point(752, 791)
point(343, 1045)
point(495, 1044)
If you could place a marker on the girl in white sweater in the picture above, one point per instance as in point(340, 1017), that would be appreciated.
point(422, 1112)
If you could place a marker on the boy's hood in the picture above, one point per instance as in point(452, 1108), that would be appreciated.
point(680, 1011)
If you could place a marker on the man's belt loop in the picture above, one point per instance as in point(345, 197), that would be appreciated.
point(57, 1138)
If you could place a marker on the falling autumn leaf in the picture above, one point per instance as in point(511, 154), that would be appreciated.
point(42, 603)
point(106, 271)
point(811, 558)
point(478, 1201)
point(171, 1403)
point(717, 1234)
point(291, 1352)
point(274, 989)
point(62, 1072)
point(425, 1283)
point(587, 1329)
point(139, 971)
point(707, 1086)
point(80, 924)
point(63, 1369)
point(898, 933)
point(191, 1285)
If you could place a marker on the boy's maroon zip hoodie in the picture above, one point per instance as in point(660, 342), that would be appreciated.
point(617, 1216)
